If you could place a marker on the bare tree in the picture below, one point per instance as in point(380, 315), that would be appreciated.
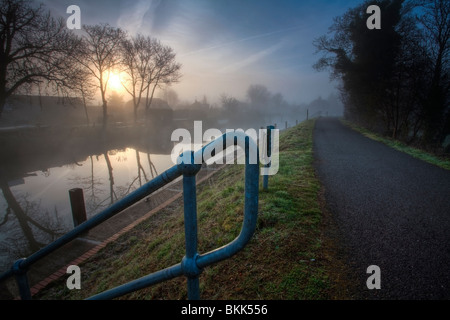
point(435, 21)
point(83, 87)
point(137, 56)
point(259, 96)
point(165, 71)
point(34, 49)
point(147, 65)
point(100, 55)
point(229, 104)
point(382, 74)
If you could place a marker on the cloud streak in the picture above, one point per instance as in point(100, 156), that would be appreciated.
point(254, 58)
point(133, 18)
point(242, 40)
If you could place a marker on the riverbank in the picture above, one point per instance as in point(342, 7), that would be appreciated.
point(290, 257)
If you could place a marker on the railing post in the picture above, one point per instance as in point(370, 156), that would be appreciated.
point(269, 154)
point(22, 280)
point(189, 265)
point(77, 205)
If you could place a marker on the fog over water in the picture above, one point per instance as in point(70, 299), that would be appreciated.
point(43, 194)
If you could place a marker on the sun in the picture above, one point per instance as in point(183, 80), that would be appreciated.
point(114, 82)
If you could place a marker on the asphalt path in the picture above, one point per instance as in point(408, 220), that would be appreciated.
point(390, 209)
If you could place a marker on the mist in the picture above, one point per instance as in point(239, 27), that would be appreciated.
point(70, 123)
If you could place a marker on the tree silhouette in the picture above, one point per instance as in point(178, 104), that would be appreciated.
point(100, 55)
point(147, 65)
point(34, 48)
point(434, 18)
point(396, 77)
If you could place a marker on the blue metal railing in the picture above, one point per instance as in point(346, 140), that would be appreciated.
point(268, 150)
point(192, 264)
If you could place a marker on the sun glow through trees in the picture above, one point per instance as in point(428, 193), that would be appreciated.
point(114, 82)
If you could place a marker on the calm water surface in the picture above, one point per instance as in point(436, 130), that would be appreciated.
point(41, 199)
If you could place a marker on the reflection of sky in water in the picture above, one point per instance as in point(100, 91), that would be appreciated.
point(46, 194)
point(52, 188)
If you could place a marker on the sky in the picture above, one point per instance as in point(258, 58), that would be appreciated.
point(225, 46)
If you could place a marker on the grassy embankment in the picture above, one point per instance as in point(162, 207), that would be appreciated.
point(284, 260)
point(400, 146)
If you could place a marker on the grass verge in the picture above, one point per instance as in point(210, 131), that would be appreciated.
point(285, 259)
point(400, 146)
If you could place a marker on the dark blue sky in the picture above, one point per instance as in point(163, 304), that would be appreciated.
point(227, 45)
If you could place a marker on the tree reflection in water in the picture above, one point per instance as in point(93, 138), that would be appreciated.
point(26, 226)
point(31, 229)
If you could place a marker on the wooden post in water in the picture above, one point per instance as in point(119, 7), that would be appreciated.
point(77, 205)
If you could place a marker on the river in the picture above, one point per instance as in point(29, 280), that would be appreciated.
point(34, 194)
